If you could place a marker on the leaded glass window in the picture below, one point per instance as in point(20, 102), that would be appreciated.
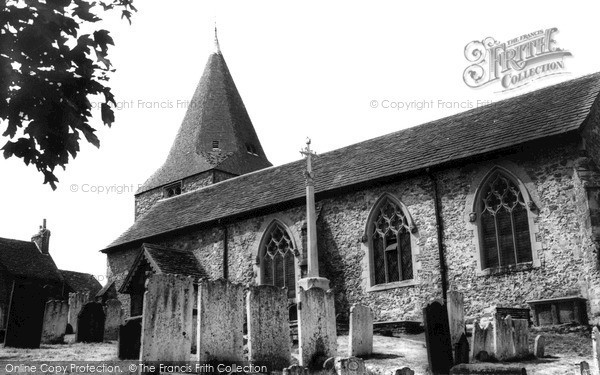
point(504, 224)
point(277, 262)
point(390, 244)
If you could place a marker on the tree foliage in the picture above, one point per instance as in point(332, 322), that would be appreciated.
point(49, 69)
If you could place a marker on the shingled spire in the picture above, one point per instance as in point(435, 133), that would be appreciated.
point(216, 133)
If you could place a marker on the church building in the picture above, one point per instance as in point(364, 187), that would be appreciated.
point(500, 202)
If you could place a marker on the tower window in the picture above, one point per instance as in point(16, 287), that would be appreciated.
point(215, 145)
point(172, 190)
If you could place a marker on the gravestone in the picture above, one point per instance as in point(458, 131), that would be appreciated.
point(220, 321)
point(350, 366)
point(521, 337)
point(584, 368)
point(268, 327)
point(437, 337)
point(90, 323)
point(114, 319)
point(461, 350)
point(539, 346)
point(55, 321)
point(456, 317)
point(316, 326)
point(404, 371)
point(167, 318)
point(361, 331)
point(25, 316)
point(76, 302)
point(130, 335)
point(482, 340)
point(504, 344)
point(596, 349)
point(295, 370)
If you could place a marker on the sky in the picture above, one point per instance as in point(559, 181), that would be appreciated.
point(339, 72)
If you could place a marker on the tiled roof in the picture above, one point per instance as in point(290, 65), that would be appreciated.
point(546, 112)
point(24, 259)
point(164, 260)
point(81, 282)
point(215, 113)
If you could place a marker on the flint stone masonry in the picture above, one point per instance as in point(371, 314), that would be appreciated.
point(76, 302)
point(316, 326)
point(268, 326)
point(55, 321)
point(90, 323)
point(350, 366)
point(167, 318)
point(361, 331)
point(114, 318)
point(539, 346)
point(483, 338)
point(220, 321)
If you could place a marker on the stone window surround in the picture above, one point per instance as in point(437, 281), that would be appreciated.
point(529, 193)
point(368, 262)
point(266, 225)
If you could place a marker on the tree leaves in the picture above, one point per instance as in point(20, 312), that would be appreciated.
point(48, 73)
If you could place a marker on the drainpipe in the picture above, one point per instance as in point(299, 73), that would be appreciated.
point(225, 253)
point(440, 233)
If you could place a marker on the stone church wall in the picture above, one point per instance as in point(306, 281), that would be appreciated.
point(565, 249)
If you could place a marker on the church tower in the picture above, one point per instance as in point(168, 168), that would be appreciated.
point(216, 140)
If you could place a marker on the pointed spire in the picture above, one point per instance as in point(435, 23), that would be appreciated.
point(217, 47)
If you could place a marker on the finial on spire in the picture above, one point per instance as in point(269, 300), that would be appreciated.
point(217, 47)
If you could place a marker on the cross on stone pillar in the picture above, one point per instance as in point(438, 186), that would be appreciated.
point(312, 278)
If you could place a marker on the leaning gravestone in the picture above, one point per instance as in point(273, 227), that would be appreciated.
point(521, 337)
point(90, 323)
point(76, 302)
point(317, 334)
point(25, 316)
point(361, 331)
point(504, 343)
point(268, 327)
point(167, 318)
point(456, 317)
point(220, 321)
point(539, 346)
point(350, 366)
point(114, 319)
point(437, 337)
point(130, 339)
point(55, 321)
point(483, 339)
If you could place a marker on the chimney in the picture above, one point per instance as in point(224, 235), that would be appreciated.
point(42, 239)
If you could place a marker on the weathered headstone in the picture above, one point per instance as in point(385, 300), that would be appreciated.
point(316, 326)
point(504, 344)
point(584, 368)
point(25, 316)
point(167, 318)
point(437, 337)
point(361, 331)
point(596, 349)
point(461, 350)
point(130, 335)
point(539, 346)
point(76, 302)
point(521, 337)
point(295, 370)
point(220, 321)
point(404, 371)
point(268, 327)
point(483, 339)
point(456, 317)
point(90, 323)
point(114, 319)
point(350, 366)
point(55, 321)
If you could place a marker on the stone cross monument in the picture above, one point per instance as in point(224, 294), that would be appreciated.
point(312, 278)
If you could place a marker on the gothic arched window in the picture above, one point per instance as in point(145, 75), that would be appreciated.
point(277, 264)
point(503, 222)
point(389, 232)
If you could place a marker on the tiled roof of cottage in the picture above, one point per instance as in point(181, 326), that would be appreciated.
point(216, 113)
point(553, 110)
point(23, 259)
point(81, 282)
point(164, 260)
